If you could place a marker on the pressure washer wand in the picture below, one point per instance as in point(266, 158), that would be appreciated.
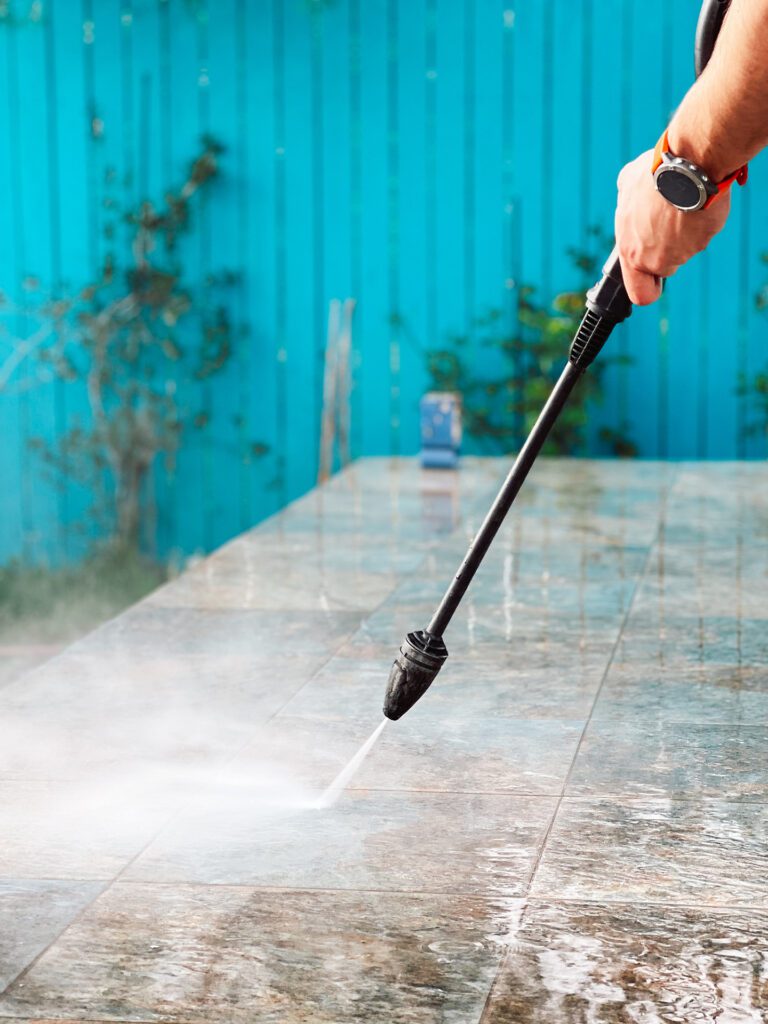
point(423, 653)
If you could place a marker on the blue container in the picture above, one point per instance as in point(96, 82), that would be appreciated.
point(440, 420)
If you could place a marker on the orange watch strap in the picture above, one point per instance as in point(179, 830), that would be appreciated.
point(662, 146)
point(723, 186)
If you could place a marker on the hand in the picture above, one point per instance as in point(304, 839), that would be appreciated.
point(653, 238)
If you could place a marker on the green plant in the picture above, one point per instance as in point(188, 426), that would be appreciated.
point(131, 339)
point(499, 408)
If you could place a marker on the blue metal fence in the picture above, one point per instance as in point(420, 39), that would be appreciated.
point(424, 156)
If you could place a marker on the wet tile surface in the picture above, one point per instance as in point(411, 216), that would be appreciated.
point(573, 963)
point(701, 852)
point(420, 842)
point(162, 850)
point(676, 758)
point(217, 954)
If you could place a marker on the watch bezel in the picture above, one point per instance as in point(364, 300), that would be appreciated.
point(677, 165)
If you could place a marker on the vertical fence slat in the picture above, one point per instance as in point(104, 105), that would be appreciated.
point(411, 225)
point(374, 371)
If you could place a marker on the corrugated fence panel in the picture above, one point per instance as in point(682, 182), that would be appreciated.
point(426, 158)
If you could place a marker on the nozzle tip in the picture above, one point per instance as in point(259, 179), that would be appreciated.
point(420, 658)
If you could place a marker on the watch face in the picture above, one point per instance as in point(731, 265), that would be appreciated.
point(679, 189)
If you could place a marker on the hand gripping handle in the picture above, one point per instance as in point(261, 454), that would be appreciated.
point(607, 301)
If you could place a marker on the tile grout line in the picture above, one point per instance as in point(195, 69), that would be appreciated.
point(665, 495)
point(470, 894)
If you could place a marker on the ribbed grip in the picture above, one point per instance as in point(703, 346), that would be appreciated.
point(592, 334)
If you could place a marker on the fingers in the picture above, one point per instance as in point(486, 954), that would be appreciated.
point(642, 288)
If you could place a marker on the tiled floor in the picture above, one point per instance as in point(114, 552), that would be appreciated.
point(571, 827)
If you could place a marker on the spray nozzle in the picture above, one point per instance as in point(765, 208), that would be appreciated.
point(420, 658)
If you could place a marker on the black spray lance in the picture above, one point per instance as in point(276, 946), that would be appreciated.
point(423, 653)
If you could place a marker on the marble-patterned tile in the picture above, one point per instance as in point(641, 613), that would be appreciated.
point(700, 692)
point(223, 955)
point(148, 630)
point(32, 915)
point(84, 711)
point(697, 594)
point(679, 759)
point(700, 852)
point(573, 963)
point(417, 842)
point(347, 687)
point(457, 754)
point(675, 640)
point(86, 830)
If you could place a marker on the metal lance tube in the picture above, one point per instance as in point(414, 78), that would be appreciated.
point(504, 499)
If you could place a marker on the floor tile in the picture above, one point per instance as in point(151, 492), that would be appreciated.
point(32, 915)
point(419, 842)
point(680, 759)
point(703, 852)
point(574, 963)
point(701, 692)
point(224, 955)
point(679, 639)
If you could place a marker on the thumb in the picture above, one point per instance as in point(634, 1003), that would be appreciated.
point(642, 288)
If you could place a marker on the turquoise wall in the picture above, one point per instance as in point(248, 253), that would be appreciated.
point(424, 156)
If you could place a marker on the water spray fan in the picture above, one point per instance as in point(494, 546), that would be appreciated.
point(423, 653)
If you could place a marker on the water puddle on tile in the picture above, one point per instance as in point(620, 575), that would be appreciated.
point(332, 793)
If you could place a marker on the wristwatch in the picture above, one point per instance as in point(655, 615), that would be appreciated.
point(684, 184)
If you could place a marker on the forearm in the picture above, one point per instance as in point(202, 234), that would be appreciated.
point(723, 121)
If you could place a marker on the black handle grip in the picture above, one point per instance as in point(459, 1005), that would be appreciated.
point(607, 305)
point(608, 298)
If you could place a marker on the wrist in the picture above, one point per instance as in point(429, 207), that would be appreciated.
point(694, 145)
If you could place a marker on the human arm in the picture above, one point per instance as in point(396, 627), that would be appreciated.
point(720, 125)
